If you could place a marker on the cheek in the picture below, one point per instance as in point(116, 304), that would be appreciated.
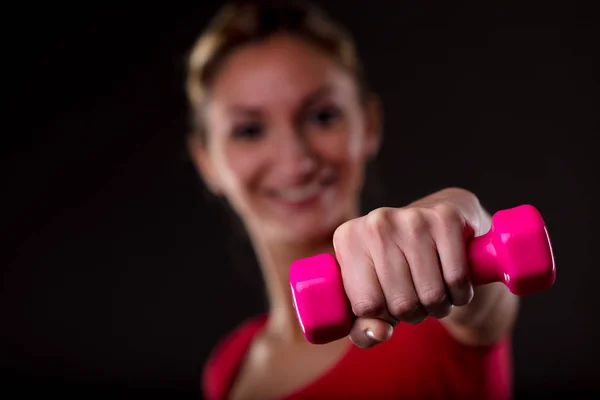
point(241, 171)
point(344, 147)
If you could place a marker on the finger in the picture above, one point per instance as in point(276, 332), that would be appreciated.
point(449, 237)
point(365, 295)
point(358, 275)
point(394, 276)
point(368, 332)
point(422, 257)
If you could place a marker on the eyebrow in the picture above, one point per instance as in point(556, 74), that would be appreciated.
point(306, 102)
point(314, 96)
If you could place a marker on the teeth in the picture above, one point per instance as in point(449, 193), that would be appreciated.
point(300, 193)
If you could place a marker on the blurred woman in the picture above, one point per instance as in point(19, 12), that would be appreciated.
point(285, 125)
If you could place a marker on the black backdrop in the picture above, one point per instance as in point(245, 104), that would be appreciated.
point(120, 274)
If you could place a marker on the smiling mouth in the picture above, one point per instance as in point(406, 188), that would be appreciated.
point(303, 193)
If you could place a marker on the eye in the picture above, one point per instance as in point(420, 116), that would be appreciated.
point(248, 131)
point(325, 116)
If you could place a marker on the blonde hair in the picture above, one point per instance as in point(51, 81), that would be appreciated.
point(236, 25)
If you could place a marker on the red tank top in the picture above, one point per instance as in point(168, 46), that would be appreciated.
point(421, 361)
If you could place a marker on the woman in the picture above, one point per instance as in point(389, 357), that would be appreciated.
point(284, 127)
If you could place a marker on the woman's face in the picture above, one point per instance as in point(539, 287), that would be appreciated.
point(287, 139)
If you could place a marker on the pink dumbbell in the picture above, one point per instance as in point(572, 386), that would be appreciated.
point(516, 251)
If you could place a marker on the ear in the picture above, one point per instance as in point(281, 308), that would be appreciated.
point(373, 113)
point(203, 162)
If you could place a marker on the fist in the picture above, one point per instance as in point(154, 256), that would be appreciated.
point(403, 265)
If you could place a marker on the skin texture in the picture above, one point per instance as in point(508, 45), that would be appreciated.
point(282, 116)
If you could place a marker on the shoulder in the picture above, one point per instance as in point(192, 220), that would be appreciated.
point(227, 356)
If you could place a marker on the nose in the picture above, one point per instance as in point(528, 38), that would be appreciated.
point(294, 154)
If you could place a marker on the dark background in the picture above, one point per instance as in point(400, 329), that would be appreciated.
point(121, 274)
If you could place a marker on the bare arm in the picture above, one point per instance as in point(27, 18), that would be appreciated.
point(494, 309)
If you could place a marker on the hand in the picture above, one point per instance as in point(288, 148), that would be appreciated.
point(403, 265)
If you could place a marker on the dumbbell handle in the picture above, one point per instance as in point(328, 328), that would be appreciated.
point(516, 251)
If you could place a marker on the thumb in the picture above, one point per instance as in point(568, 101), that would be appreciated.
point(368, 332)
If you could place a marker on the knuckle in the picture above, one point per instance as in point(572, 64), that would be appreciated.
point(413, 221)
point(447, 215)
point(342, 234)
point(377, 222)
point(367, 306)
point(445, 210)
point(402, 306)
point(433, 296)
point(457, 278)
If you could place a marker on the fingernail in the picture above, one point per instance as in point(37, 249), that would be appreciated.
point(371, 335)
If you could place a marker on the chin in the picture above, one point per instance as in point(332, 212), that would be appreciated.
point(301, 235)
point(305, 229)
